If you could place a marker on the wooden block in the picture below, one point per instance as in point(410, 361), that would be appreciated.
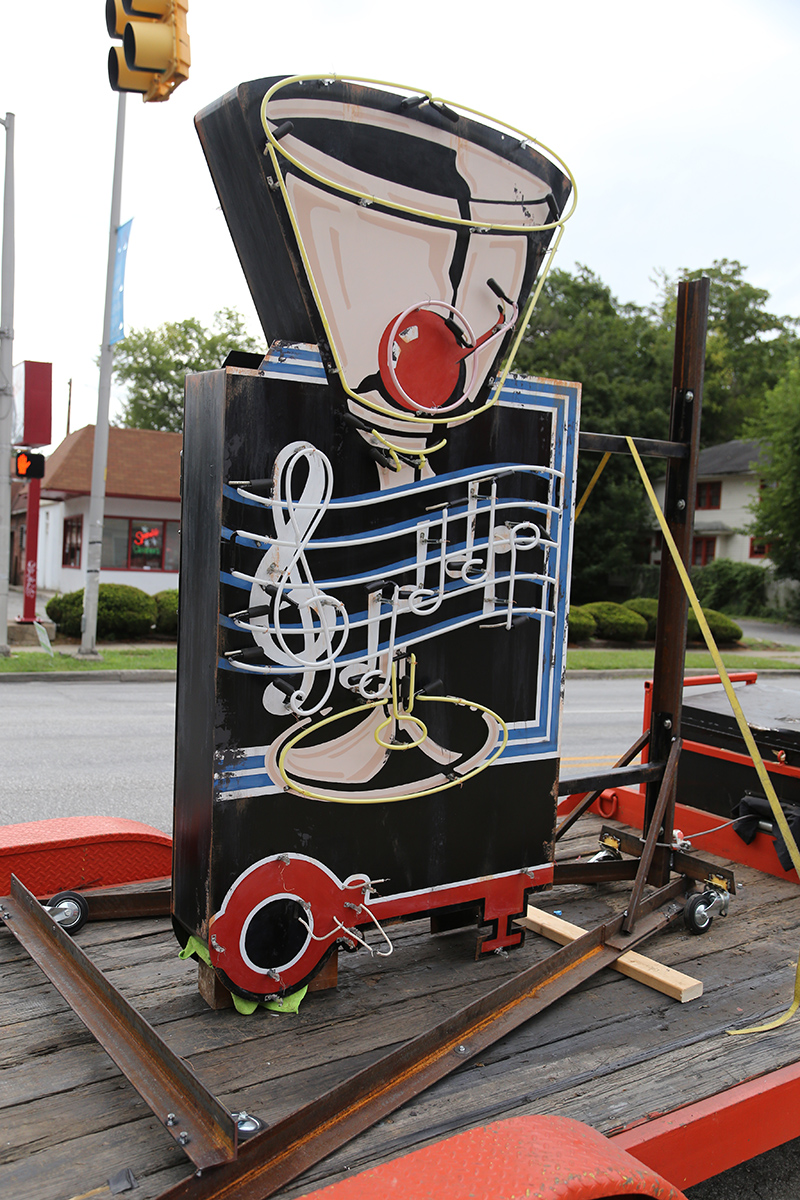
point(213, 991)
point(644, 970)
point(328, 976)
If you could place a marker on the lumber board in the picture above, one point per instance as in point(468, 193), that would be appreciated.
point(658, 976)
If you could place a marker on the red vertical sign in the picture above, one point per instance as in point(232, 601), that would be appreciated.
point(33, 387)
point(31, 550)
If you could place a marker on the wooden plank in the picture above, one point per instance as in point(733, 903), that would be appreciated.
point(636, 966)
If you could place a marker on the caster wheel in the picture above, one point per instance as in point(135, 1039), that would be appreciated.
point(696, 916)
point(70, 910)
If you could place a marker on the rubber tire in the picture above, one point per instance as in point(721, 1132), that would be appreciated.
point(83, 915)
point(694, 923)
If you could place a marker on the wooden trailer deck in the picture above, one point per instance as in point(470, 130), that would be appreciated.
point(612, 1053)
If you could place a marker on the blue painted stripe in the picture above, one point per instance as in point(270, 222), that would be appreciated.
point(289, 351)
point(295, 371)
point(229, 534)
point(239, 783)
point(373, 536)
point(249, 762)
point(231, 494)
point(418, 633)
point(409, 489)
point(438, 481)
point(226, 577)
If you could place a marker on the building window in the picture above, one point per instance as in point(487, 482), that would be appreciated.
point(146, 546)
point(133, 544)
point(73, 539)
point(758, 549)
point(703, 550)
point(709, 494)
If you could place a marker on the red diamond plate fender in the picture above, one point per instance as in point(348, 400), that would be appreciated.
point(524, 1158)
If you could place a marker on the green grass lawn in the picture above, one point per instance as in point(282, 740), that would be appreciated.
point(609, 660)
point(164, 658)
point(150, 658)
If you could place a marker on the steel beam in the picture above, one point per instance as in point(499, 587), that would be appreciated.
point(679, 503)
point(571, 785)
point(649, 846)
point(128, 903)
point(684, 864)
point(271, 1159)
point(614, 443)
point(193, 1116)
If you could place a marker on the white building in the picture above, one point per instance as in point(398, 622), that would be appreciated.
point(727, 483)
point(142, 511)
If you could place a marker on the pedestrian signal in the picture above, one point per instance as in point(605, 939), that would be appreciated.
point(28, 466)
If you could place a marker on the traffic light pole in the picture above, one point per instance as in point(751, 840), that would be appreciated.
point(94, 551)
point(6, 378)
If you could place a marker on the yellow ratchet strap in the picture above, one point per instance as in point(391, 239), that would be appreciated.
point(591, 483)
point(741, 720)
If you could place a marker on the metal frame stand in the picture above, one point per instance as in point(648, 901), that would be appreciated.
point(661, 744)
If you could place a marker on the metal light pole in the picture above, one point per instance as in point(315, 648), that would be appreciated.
point(100, 457)
point(6, 378)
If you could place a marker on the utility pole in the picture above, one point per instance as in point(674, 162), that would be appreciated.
point(6, 377)
point(100, 457)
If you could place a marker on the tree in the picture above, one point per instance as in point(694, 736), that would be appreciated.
point(152, 364)
point(747, 351)
point(622, 355)
point(776, 512)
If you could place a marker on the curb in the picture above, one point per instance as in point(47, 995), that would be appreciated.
point(143, 676)
point(169, 676)
point(637, 673)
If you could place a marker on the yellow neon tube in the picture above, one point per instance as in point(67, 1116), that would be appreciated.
point(275, 149)
point(360, 708)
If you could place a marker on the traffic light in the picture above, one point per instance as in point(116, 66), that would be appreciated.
point(28, 466)
point(154, 56)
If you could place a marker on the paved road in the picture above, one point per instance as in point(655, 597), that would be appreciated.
point(787, 635)
point(94, 747)
point(88, 748)
point(602, 718)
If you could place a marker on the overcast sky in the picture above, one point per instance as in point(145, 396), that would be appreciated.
point(679, 121)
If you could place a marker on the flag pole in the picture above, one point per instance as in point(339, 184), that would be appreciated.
point(94, 550)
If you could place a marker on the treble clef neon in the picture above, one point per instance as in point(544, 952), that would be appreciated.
point(291, 583)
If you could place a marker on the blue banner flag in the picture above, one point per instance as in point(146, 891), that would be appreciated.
point(117, 332)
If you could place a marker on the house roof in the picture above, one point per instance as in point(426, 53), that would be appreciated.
point(144, 463)
point(731, 458)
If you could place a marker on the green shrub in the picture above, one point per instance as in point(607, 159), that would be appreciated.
point(582, 625)
point(722, 627)
point(122, 612)
point(167, 612)
point(646, 607)
point(617, 623)
point(732, 587)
